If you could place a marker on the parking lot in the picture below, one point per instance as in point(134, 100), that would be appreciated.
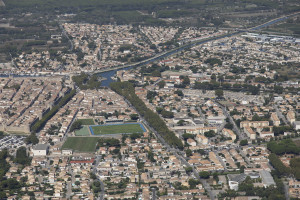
point(11, 142)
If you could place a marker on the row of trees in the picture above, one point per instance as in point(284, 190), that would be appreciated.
point(126, 89)
point(283, 147)
point(282, 170)
point(213, 85)
point(40, 123)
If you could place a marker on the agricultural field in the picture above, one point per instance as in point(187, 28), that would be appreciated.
point(81, 144)
point(117, 129)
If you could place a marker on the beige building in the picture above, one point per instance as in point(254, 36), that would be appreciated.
point(250, 133)
point(253, 124)
point(294, 188)
point(275, 119)
point(229, 133)
point(291, 117)
point(202, 139)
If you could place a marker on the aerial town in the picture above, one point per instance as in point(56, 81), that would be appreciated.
point(189, 113)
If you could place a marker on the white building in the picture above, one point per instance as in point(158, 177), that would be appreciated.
point(297, 125)
point(40, 150)
point(233, 185)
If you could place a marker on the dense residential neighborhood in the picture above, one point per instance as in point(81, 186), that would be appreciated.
point(152, 112)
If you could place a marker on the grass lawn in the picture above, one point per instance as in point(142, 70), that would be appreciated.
point(83, 131)
point(86, 121)
point(81, 144)
point(115, 129)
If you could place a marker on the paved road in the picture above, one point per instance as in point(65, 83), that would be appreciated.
point(69, 183)
point(245, 157)
point(221, 161)
point(286, 190)
point(101, 196)
point(241, 135)
point(280, 115)
point(66, 35)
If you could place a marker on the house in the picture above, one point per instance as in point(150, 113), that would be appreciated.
point(191, 142)
point(294, 188)
point(275, 119)
point(250, 133)
point(290, 116)
point(297, 125)
point(229, 133)
point(266, 134)
point(67, 151)
point(201, 139)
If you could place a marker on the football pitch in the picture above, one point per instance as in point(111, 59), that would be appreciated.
point(84, 131)
point(117, 129)
point(81, 144)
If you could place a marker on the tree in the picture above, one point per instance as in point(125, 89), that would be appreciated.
point(219, 93)
point(167, 114)
point(193, 183)
point(22, 157)
point(280, 168)
point(75, 126)
point(156, 73)
point(228, 126)
point(283, 146)
point(92, 45)
point(216, 176)
point(186, 136)
point(96, 183)
point(210, 134)
point(244, 142)
point(161, 84)
point(204, 174)
point(188, 152)
point(31, 139)
point(134, 116)
point(186, 81)
point(180, 122)
point(188, 170)
point(242, 169)
point(179, 93)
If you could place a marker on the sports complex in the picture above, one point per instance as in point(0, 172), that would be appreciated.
point(86, 138)
point(110, 129)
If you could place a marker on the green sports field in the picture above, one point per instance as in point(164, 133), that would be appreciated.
point(115, 129)
point(81, 144)
point(86, 121)
point(83, 131)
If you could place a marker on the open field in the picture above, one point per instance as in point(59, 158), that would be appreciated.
point(117, 129)
point(81, 144)
point(86, 121)
point(84, 131)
